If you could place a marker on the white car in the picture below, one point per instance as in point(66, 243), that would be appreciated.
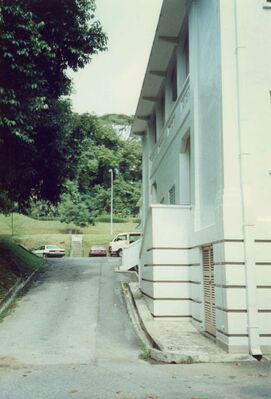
point(121, 241)
point(49, 251)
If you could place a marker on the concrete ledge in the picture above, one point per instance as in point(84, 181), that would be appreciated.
point(173, 341)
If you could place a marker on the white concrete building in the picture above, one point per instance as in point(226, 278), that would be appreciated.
point(204, 115)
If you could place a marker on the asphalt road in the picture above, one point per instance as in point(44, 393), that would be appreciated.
point(70, 337)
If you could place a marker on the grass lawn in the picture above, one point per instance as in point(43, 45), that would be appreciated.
point(32, 233)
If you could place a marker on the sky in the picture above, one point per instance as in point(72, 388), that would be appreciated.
point(112, 82)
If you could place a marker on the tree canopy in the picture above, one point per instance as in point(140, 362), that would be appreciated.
point(92, 150)
point(52, 160)
point(39, 41)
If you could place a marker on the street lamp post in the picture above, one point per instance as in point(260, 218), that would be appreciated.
point(111, 206)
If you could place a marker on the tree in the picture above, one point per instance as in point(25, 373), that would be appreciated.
point(90, 149)
point(39, 40)
point(93, 149)
point(73, 209)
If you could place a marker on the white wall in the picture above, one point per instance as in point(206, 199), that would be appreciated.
point(228, 112)
point(204, 52)
point(247, 79)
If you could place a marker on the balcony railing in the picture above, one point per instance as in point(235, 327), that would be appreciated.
point(177, 115)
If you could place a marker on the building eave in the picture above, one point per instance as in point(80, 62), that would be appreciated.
point(170, 22)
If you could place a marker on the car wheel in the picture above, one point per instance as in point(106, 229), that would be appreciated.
point(119, 253)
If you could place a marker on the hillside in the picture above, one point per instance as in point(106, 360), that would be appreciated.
point(15, 264)
point(119, 122)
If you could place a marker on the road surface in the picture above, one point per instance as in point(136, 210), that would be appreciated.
point(70, 337)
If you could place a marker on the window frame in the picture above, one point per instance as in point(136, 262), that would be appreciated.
point(174, 83)
point(172, 194)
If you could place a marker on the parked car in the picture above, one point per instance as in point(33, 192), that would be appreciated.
point(49, 251)
point(121, 241)
point(97, 250)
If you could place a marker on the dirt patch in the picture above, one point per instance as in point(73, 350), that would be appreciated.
point(9, 362)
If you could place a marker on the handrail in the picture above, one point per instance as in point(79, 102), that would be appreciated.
point(130, 257)
point(145, 228)
point(133, 243)
point(170, 206)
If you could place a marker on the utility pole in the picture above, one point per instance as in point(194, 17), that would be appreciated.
point(111, 207)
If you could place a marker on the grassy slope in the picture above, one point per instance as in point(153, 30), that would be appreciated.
point(15, 263)
point(33, 233)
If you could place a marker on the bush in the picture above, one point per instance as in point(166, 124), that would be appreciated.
point(46, 218)
point(116, 219)
point(107, 219)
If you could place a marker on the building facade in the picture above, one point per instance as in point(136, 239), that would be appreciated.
point(205, 121)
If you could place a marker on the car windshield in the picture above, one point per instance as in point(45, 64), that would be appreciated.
point(52, 247)
point(134, 237)
point(121, 238)
point(98, 247)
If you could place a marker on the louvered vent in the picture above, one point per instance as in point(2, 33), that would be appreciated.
point(209, 289)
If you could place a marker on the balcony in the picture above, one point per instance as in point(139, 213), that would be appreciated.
point(175, 120)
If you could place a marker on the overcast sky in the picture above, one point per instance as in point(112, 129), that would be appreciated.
point(111, 83)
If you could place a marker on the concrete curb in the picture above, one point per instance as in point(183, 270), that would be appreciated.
point(16, 289)
point(144, 325)
point(155, 351)
point(134, 316)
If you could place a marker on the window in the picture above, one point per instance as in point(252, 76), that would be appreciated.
point(162, 110)
point(266, 3)
point(186, 55)
point(172, 195)
point(154, 193)
point(155, 128)
point(134, 237)
point(185, 170)
point(162, 200)
point(123, 237)
point(174, 90)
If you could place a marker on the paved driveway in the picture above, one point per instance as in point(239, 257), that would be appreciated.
point(70, 336)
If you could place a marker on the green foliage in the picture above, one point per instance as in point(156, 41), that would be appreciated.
point(37, 169)
point(116, 219)
point(43, 210)
point(107, 219)
point(73, 209)
point(15, 263)
point(146, 352)
point(6, 205)
point(39, 40)
point(21, 262)
point(117, 119)
point(94, 149)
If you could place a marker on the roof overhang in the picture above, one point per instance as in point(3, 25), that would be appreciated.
point(166, 38)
